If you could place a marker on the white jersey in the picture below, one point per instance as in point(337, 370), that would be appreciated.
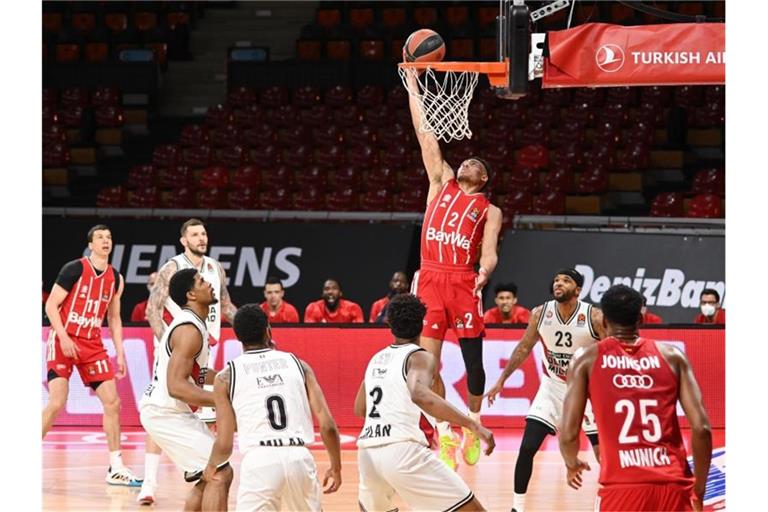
point(157, 391)
point(209, 270)
point(269, 397)
point(391, 416)
point(561, 337)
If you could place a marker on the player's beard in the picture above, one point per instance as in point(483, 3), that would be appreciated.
point(198, 252)
point(331, 306)
point(565, 297)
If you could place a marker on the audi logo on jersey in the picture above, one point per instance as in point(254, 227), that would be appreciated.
point(633, 381)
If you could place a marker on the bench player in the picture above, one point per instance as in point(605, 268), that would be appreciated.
point(394, 454)
point(460, 230)
point(87, 290)
point(563, 325)
point(634, 385)
point(270, 397)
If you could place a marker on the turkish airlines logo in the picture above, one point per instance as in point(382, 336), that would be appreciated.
point(609, 58)
point(633, 381)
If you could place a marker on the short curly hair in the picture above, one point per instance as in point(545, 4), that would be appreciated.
point(250, 324)
point(405, 315)
point(621, 305)
point(181, 282)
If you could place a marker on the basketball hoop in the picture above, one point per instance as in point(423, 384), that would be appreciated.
point(444, 103)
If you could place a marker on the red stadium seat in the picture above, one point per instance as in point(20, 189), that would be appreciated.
point(260, 135)
point(274, 97)
point(425, 16)
point(667, 204)
point(536, 132)
point(363, 135)
point(146, 197)
point(111, 197)
point(214, 177)
point(212, 198)
point(54, 134)
point(106, 97)
point(181, 197)
point(342, 200)
point(486, 16)
point(231, 157)
point(165, 155)
point(109, 117)
point(456, 16)
point(344, 177)
point(348, 116)
point(116, 22)
point(311, 177)
point(50, 97)
point(96, 52)
point(67, 52)
point(709, 181)
point(411, 200)
point(56, 155)
point(243, 199)
point(371, 49)
point(277, 178)
point(327, 135)
point(145, 21)
point(277, 199)
point(380, 178)
point(71, 117)
point(286, 116)
point(397, 97)
point(293, 136)
point(617, 113)
point(549, 203)
point(328, 18)
point(599, 156)
point(623, 95)
point(246, 177)
point(242, 97)
point(197, 157)
point(370, 96)
point(176, 19)
point(226, 135)
point(309, 198)
point(413, 178)
point(590, 96)
point(522, 179)
point(592, 181)
point(142, 176)
point(266, 157)
point(194, 135)
point(656, 95)
point(329, 157)
point(160, 53)
point(340, 49)
point(315, 117)
point(709, 115)
point(581, 113)
point(462, 48)
point(177, 176)
point(688, 96)
point(74, 97)
point(309, 50)
point(706, 206)
point(518, 202)
point(534, 156)
point(393, 17)
point(306, 97)
point(395, 135)
point(218, 116)
point(338, 96)
point(52, 22)
point(397, 157)
point(298, 158)
point(558, 181)
point(379, 116)
point(362, 157)
point(360, 18)
point(546, 113)
point(378, 200)
point(633, 158)
point(247, 117)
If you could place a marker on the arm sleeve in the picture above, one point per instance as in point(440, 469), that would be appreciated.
point(69, 274)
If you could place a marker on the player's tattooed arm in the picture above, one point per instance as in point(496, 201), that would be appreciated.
point(227, 308)
point(157, 297)
point(597, 322)
point(226, 424)
point(223, 376)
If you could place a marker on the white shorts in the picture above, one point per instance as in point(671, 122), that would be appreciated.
point(547, 406)
point(181, 435)
point(411, 470)
point(275, 477)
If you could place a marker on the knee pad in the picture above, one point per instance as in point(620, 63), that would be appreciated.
point(472, 352)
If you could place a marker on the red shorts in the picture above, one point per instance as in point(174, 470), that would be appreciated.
point(93, 363)
point(645, 497)
point(450, 303)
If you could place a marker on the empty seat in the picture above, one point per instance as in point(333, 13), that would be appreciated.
point(411, 200)
point(667, 204)
point(176, 176)
point(226, 135)
point(266, 157)
point(298, 158)
point(306, 96)
point(328, 18)
point(413, 178)
point(218, 116)
point(246, 177)
point(193, 135)
point(142, 176)
point(96, 52)
point(381, 178)
point(559, 180)
point(55, 155)
point(316, 116)
point(243, 199)
point(247, 117)
point(344, 199)
point(397, 157)
point(522, 179)
point(379, 116)
point(144, 197)
point(311, 177)
point(105, 97)
point(109, 117)
point(212, 198)
point(534, 156)
point(67, 52)
point(376, 200)
point(592, 181)
point(196, 157)
point(362, 156)
point(260, 135)
point(371, 49)
point(309, 49)
point(277, 178)
point(242, 97)
point(517, 202)
point(348, 116)
point(110, 197)
point(276, 199)
point(549, 203)
point(165, 155)
point(329, 157)
point(344, 177)
point(309, 198)
point(340, 49)
point(286, 116)
point(634, 157)
point(709, 181)
point(327, 135)
point(363, 135)
point(274, 97)
point(707, 206)
point(231, 157)
point(74, 96)
point(181, 197)
point(338, 96)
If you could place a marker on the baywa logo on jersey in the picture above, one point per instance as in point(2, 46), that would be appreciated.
point(444, 200)
point(581, 320)
point(633, 381)
point(609, 58)
point(459, 323)
point(474, 214)
point(269, 380)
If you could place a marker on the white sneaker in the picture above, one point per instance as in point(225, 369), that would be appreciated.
point(147, 493)
point(122, 476)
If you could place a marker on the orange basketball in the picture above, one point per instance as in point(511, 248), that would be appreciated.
point(424, 45)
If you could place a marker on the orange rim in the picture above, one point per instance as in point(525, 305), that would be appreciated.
point(498, 72)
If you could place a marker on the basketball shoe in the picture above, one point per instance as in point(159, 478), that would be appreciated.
point(147, 493)
point(470, 447)
point(122, 476)
point(448, 446)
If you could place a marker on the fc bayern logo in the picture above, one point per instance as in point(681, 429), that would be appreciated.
point(609, 58)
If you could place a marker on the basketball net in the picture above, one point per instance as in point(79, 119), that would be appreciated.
point(443, 104)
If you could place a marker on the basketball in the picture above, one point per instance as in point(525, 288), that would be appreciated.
point(424, 45)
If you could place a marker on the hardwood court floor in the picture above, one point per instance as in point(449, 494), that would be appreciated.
point(75, 463)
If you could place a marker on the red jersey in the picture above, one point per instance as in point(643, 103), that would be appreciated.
point(650, 318)
point(139, 313)
point(286, 313)
point(377, 308)
point(346, 312)
point(519, 315)
point(634, 392)
point(83, 311)
point(453, 229)
point(719, 318)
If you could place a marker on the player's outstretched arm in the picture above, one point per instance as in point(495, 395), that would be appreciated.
point(228, 309)
point(157, 297)
point(520, 354)
point(329, 432)
point(573, 411)
point(359, 408)
point(693, 406)
point(420, 372)
point(116, 328)
point(488, 255)
point(225, 424)
point(185, 342)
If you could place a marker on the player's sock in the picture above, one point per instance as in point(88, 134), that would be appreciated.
point(444, 428)
point(116, 460)
point(474, 415)
point(151, 465)
point(518, 502)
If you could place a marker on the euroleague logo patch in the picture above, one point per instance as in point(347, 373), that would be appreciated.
point(609, 58)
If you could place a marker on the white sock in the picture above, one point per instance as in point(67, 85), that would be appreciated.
point(518, 502)
point(474, 415)
point(115, 460)
point(151, 464)
point(444, 428)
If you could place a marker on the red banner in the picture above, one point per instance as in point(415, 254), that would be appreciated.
point(603, 55)
point(339, 357)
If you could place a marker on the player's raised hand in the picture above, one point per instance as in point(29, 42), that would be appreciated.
point(494, 392)
point(68, 347)
point(333, 475)
point(574, 474)
point(487, 437)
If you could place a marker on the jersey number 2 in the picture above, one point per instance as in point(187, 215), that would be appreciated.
point(276, 412)
point(377, 394)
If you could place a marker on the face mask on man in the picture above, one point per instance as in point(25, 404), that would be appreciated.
point(707, 309)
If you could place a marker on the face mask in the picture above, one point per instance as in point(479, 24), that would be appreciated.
point(707, 309)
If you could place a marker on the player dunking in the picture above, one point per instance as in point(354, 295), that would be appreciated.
point(634, 384)
point(461, 229)
point(270, 396)
point(161, 310)
point(87, 290)
point(394, 453)
point(563, 325)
